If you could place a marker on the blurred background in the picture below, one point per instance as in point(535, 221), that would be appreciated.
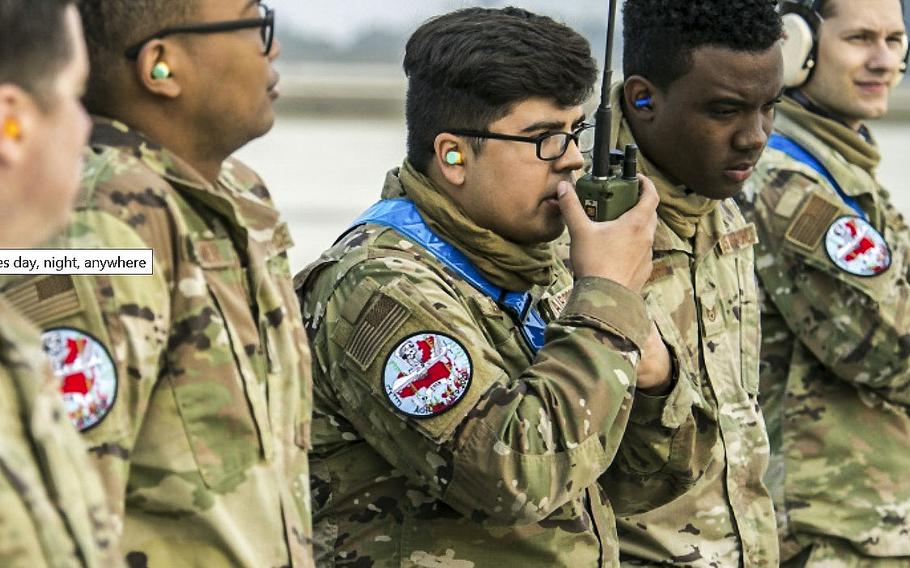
point(340, 124)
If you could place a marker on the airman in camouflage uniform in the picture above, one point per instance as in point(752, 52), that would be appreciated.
point(702, 294)
point(523, 448)
point(834, 363)
point(190, 386)
point(702, 291)
point(52, 507)
point(491, 458)
point(201, 448)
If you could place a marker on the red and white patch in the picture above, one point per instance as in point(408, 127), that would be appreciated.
point(856, 247)
point(87, 375)
point(427, 374)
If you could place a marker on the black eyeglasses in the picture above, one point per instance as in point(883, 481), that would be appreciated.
point(266, 23)
point(550, 146)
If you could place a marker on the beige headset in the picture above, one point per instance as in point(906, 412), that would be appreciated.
point(800, 45)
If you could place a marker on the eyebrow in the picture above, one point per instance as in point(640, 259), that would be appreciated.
point(729, 101)
point(550, 124)
point(740, 103)
point(873, 31)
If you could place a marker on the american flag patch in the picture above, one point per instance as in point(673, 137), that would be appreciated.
point(377, 323)
point(46, 299)
point(812, 222)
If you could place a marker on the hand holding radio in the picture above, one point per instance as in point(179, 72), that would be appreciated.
point(618, 250)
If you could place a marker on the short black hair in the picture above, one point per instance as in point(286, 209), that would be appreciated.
point(470, 67)
point(111, 26)
point(34, 45)
point(660, 35)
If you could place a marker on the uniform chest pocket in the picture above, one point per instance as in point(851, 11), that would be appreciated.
point(219, 395)
point(749, 324)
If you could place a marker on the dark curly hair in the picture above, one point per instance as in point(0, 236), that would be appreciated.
point(470, 67)
point(34, 45)
point(660, 35)
point(113, 25)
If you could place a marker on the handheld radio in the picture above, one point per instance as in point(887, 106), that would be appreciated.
point(611, 188)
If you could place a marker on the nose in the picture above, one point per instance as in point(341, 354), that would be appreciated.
point(86, 124)
point(276, 50)
point(887, 57)
point(572, 160)
point(754, 135)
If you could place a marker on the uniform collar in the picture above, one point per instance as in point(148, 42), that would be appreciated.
point(800, 98)
point(238, 193)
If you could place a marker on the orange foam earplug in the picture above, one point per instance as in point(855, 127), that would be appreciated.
point(12, 129)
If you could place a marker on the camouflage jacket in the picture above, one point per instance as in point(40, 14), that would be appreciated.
point(191, 386)
point(835, 356)
point(702, 294)
point(505, 477)
point(53, 511)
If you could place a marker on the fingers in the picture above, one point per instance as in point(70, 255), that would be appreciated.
point(572, 211)
point(649, 200)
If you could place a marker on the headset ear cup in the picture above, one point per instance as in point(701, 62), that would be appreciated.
point(903, 67)
point(797, 50)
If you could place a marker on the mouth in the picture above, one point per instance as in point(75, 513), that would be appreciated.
point(872, 87)
point(740, 172)
point(551, 200)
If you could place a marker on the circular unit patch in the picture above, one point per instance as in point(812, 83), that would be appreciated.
point(427, 374)
point(855, 247)
point(88, 378)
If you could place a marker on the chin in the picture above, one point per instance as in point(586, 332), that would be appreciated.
point(553, 231)
point(877, 111)
point(721, 190)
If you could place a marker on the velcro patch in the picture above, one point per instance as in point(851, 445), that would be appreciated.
point(375, 325)
point(45, 299)
point(740, 239)
point(664, 267)
point(552, 306)
point(86, 374)
point(855, 247)
point(213, 253)
point(812, 222)
point(427, 374)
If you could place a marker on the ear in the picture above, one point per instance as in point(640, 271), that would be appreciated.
point(152, 53)
point(640, 97)
point(444, 144)
point(19, 110)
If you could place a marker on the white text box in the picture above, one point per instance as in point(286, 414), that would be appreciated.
point(127, 262)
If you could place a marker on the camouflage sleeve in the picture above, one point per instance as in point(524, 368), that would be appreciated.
point(511, 449)
point(663, 453)
point(122, 321)
point(856, 326)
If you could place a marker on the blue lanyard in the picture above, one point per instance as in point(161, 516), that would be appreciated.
point(800, 154)
point(401, 214)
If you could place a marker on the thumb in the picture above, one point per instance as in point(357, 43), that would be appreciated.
point(570, 206)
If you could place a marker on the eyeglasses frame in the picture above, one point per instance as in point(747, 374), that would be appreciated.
point(536, 140)
point(266, 22)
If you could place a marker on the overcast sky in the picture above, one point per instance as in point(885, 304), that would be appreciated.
point(341, 20)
